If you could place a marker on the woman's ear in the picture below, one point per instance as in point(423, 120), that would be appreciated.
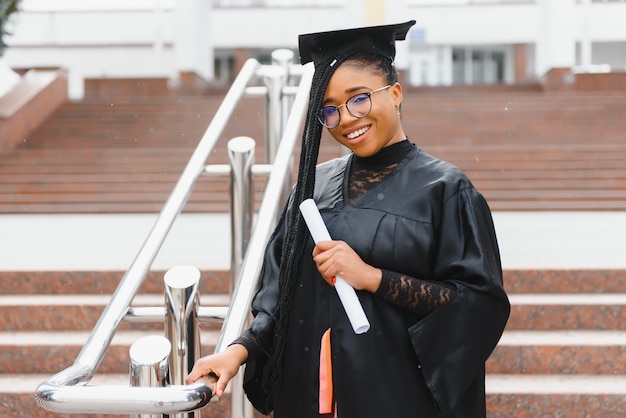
point(396, 94)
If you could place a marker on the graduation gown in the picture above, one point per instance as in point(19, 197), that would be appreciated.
point(424, 220)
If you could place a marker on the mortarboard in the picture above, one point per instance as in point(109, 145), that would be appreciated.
point(321, 46)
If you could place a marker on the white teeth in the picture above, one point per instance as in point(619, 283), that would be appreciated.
point(357, 133)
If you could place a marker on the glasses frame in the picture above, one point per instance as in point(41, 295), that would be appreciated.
point(322, 119)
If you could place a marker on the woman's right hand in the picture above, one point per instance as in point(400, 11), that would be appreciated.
point(222, 366)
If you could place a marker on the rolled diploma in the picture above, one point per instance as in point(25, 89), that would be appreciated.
point(346, 293)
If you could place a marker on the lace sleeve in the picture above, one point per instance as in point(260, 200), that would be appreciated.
point(418, 296)
point(249, 340)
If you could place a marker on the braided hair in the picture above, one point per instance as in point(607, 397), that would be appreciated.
point(297, 233)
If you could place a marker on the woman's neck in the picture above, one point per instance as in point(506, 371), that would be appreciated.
point(367, 172)
point(393, 153)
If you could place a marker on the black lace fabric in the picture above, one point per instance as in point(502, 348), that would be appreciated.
point(421, 297)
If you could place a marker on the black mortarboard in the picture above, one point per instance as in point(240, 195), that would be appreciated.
point(321, 46)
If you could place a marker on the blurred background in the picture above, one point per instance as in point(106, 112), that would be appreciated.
point(455, 42)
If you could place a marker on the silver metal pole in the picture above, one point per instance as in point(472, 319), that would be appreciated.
point(239, 405)
point(284, 59)
point(241, 158)
point(182, 327)
point(274, 78)
point(149, 358)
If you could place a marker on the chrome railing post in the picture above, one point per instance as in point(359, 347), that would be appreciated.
point(182, 327)
point(149, 367)
point(241, 159)
point(274, 79)
point(283, 58)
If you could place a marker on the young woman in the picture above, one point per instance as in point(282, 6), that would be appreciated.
point(409, 233)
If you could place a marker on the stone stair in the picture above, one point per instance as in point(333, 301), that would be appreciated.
point(48, 316)
point(563, 353)
point(525, 150)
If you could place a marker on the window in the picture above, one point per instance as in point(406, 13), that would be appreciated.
point(477, 66)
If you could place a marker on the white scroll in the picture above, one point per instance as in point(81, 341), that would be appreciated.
point(346, 293)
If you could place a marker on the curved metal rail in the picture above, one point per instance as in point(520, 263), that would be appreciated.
point(68, 391)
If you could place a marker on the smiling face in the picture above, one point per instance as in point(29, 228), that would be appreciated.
point(381, 127)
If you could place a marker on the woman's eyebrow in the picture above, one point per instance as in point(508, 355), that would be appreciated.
point(348, 90)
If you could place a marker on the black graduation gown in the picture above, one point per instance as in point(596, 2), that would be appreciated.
point(424, 220)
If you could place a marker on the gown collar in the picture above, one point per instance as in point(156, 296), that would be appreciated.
point(389, 155)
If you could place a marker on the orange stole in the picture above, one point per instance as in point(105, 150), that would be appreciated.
point(326, 375)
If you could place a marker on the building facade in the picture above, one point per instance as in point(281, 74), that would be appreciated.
point(454, 42)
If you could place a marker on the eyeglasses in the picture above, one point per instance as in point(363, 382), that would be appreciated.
point(359, 106)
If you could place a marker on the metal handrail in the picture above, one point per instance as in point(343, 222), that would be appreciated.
point(66, 391)
point(238, 311)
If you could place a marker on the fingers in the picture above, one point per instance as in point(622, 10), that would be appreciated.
point(197, 372)
point(210, 381)
point(218, 382)
point(325, 258)
point(322, 256)
point(203, 367)
point(219, 368)
point(322, 246)
point(215, 381)
point(337, 258)
point(322, 251)
point(221, 384)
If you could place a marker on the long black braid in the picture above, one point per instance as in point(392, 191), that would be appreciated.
point(297, 232)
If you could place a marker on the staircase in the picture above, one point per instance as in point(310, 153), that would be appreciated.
point(563, 353)
point(524, 150)
point(48, 316)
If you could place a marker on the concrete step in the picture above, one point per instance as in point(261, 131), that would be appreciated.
point(568, 281)
point(97, 282)
point(519, 352)
point(51, 352)
point(568, 311)
point(80, 312)
point(528, 311)
point(560, 352)
point(531, 396)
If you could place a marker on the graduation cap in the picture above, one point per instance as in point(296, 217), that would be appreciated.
point(380, 40)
